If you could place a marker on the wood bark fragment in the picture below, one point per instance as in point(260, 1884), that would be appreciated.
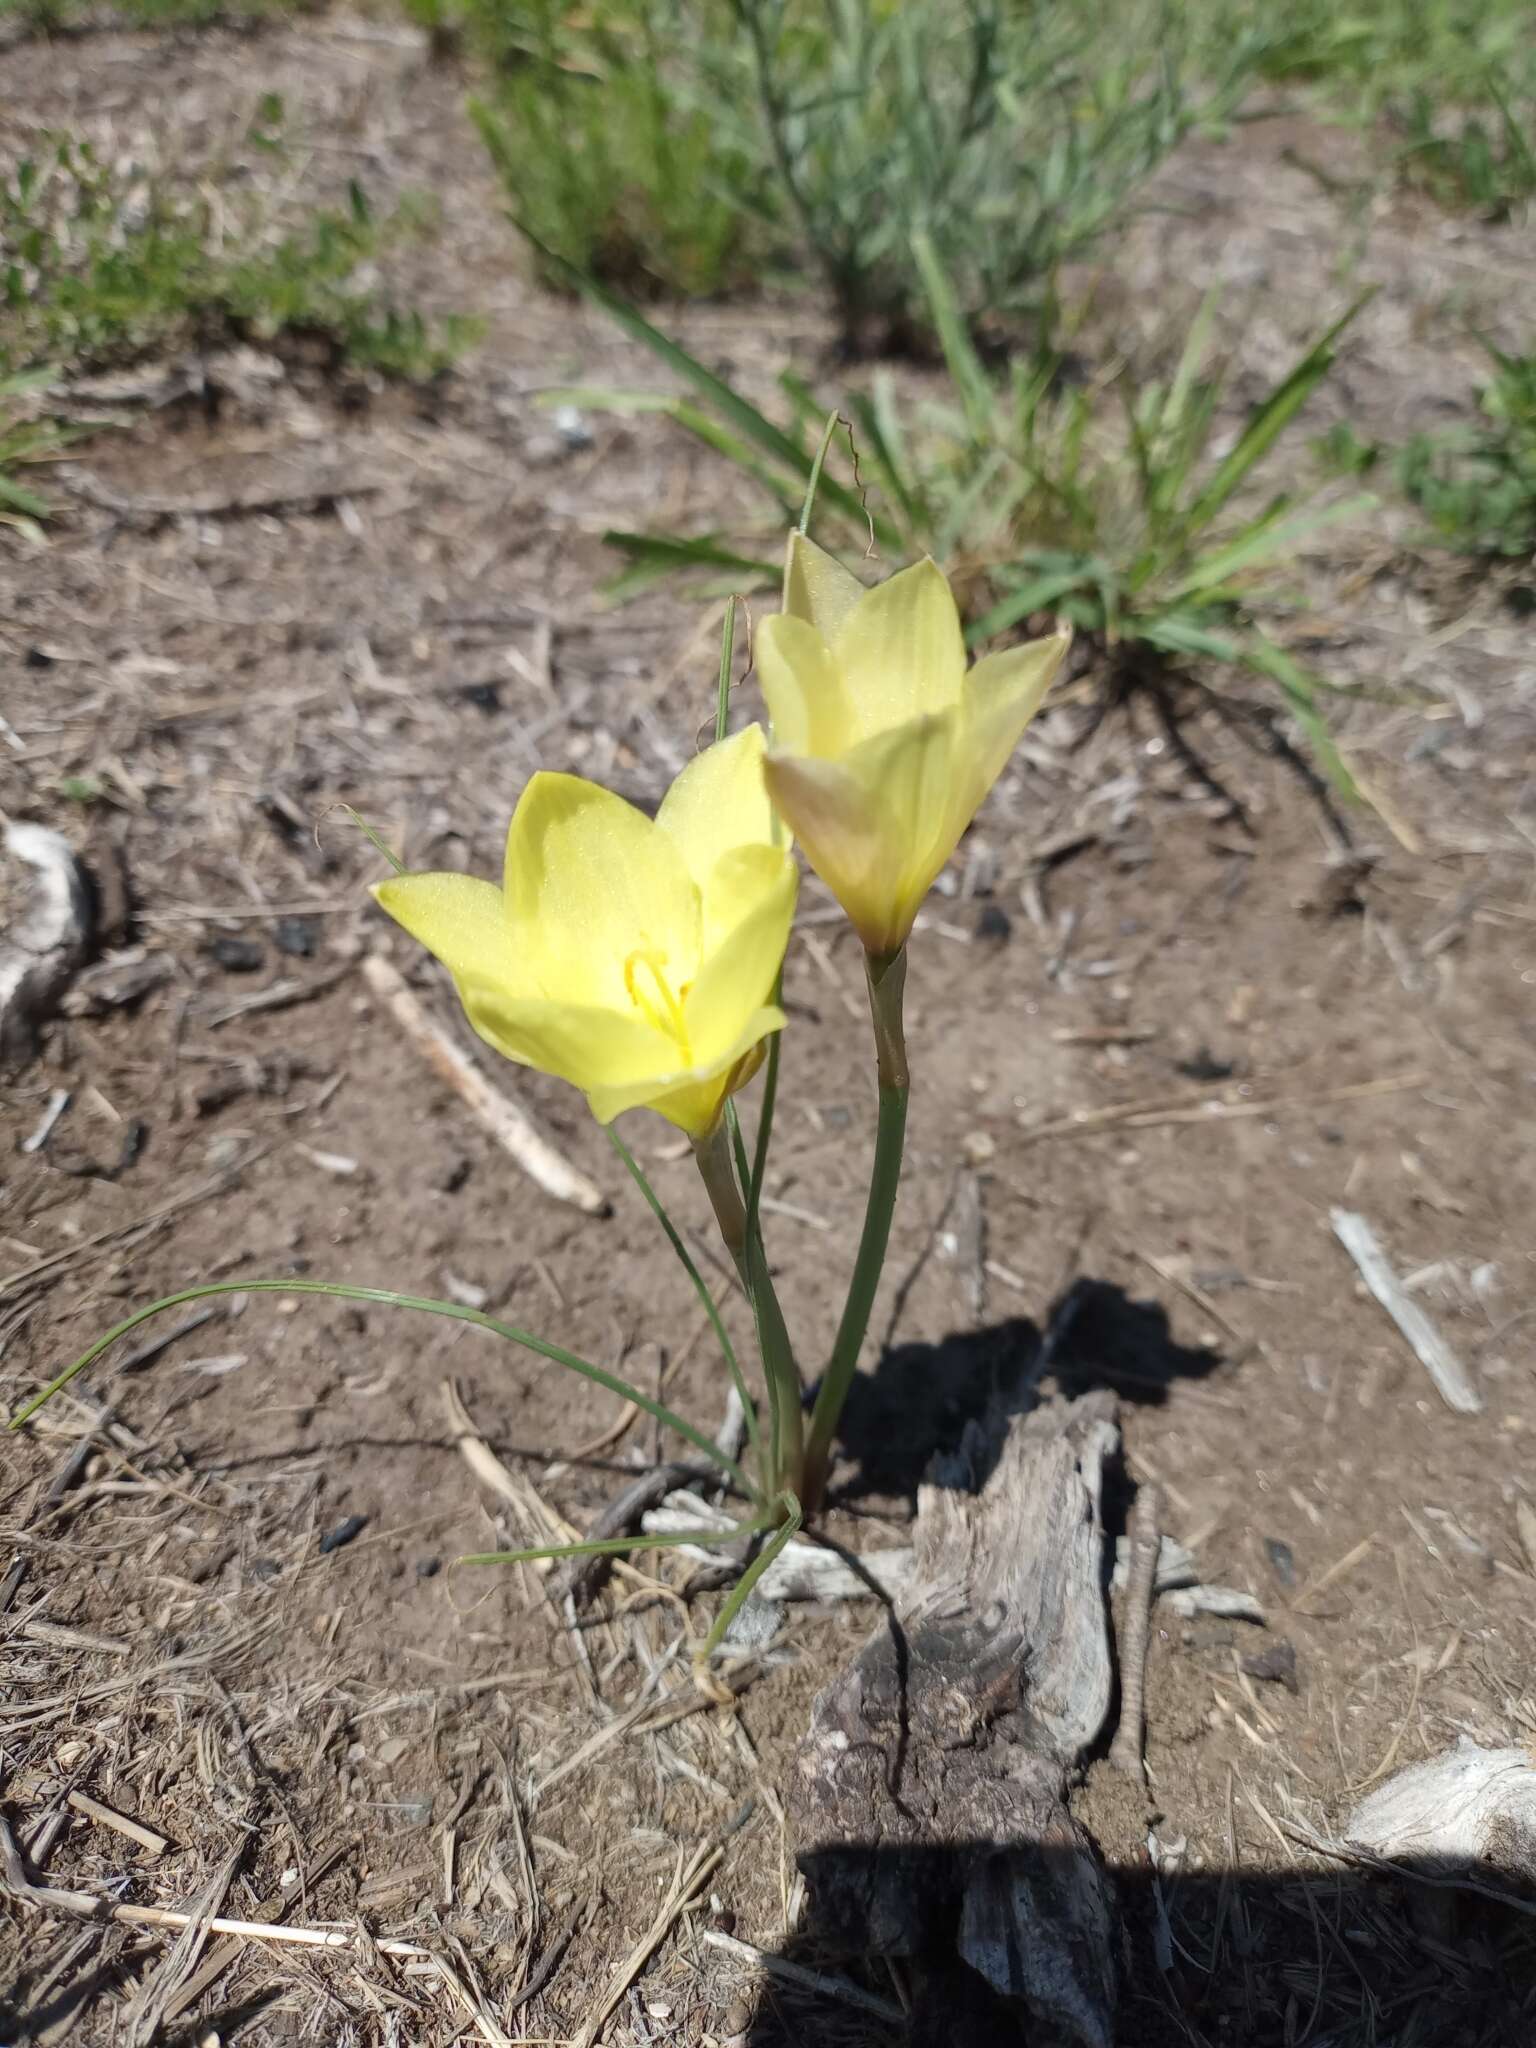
point(928, 1802)
point(45, 933)
point(1136, 1626)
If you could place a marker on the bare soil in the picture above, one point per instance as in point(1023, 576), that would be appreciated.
point(1149, 1060)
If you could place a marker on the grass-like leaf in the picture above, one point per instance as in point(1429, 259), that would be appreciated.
point(453, 1311)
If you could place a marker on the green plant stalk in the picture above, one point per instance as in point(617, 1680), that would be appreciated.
point(789, 1507)
point(887, 980)
point(780, 1372)
point(700, 1286)
point(452, 1310)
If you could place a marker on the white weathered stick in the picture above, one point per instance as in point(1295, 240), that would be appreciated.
point(801, 1571)
point(825, 1984)
point(149, 1839)
point(1429, 1347)
point(512, 1128)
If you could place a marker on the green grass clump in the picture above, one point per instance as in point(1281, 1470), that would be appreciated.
point(610, 132)
point(45, 17)
point(1450, 84)
point(29, 439)
point(1113, 503)
point(1478, 487)
point(106, 263)
point(693, 145)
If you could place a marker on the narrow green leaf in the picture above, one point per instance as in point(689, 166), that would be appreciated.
point(452, 1311)
point(656, 555)
point(1266, 659)
point(965, 366)
point(793, 1517)
point(1037, 595)
point(756, 426)
point(813, 481)
point(1268, 537)
point(1268, 422)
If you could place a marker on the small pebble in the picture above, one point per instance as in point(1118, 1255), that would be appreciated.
point(237, 956)
point(296, 936)
point(343, 1534)
point(1277, 1664)
point(1282, 1559)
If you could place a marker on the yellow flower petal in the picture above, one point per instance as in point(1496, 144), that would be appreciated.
point(1002, 694)
point(878, 825)
point(900, 653)
point(574, 1041)
point(589, 882)
point(719, 801)
point(695, 1100)
point(749, 905)
point(806, 699)
point(460, 919)
point(817, 588)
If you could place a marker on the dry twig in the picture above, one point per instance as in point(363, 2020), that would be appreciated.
point(512, 1128)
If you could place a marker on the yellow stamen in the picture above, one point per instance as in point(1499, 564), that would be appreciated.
point(669, 1019)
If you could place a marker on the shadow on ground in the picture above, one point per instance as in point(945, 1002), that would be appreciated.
point(919, 1398)
point(1353, 1959)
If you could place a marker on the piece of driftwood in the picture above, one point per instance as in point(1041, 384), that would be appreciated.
point(1467, 1810)
point(928, 1802)
point(45, 933)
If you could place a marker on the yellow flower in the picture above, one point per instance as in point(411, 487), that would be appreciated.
point(884, 744)
point(632, 957)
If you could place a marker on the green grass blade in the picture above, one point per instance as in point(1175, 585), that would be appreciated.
point(700, 1286)
point(793, 1517)
point(965, 366)
point(1036, 595)
point(756, 426)
point(813, 482)
point(1270, 535)
point(723, 692)
point(1267, 424)
point(889, 459)
point(1266, 659)
point(452, 1311)
point(375, 839)
point(654, 556)
point(1176, 634)
point(16, 497)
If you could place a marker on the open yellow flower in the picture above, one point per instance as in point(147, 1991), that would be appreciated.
point(884, 743)
point(633, 957)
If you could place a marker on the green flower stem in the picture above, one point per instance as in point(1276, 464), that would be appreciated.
point(722, 1335)
point(887, 980)
point(785, 1427)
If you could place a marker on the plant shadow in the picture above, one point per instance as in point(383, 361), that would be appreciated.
point(1349, 1958)
point(915, 1405)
